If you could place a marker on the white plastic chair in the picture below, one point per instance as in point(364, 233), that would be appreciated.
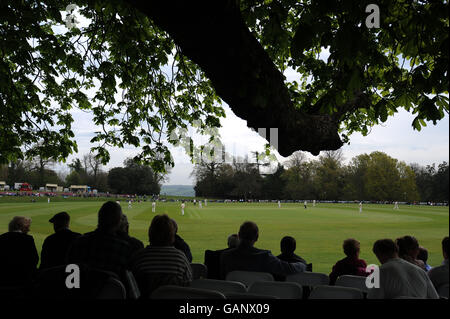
point(199, 271)
point(310, 279)
point(335, 292)
point(223, 286)
point(358, 282)
point(280, 289)
point(443, 290)
point(177, 292)
point(113, 289)
point(248, 277)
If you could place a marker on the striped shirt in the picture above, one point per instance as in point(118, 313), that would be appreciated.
point(156, 266)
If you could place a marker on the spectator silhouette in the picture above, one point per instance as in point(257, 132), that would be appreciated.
point(18, 254)
point(423, 256)
point(103, 248)
point(181, 244)
point(160, 263)
point(123, 233)
point(409, 250)
point(248, 258)
point(233, 241)
point(439, 275)
point(55, 247)
point(398, 277)
point(288, 245)
point(351, 264)
point(212, 257)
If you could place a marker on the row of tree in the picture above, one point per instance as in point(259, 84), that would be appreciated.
point(132, 178)
point(375, 176)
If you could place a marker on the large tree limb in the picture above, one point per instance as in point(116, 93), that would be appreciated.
point(214, 35)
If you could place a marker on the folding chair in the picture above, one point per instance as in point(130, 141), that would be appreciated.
point(133, 291)
point(282, 290)
point(335, 292)
point(113, 289)
point(351, 281)
point(223, 286)
point(248, 277)
point(177, 292)
point(443, 291)
point(309, 280)
point(199, 271)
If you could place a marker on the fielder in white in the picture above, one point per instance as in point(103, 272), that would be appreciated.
point(396, 205)
point(360, 207)
point(182, 208)
point(279, 204)
point(206, 202)
point(314, 203)
point(199, 204)
point(129, 204)
point(153, 207)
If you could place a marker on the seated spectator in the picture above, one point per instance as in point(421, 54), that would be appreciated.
point(423, 255)
point(409, 250)
point(398, 277)
point(248, 258)
point(123, 233)
point(18, 254)
point(287, 247)
point(160, 263)
point(439, 274)
point(103, 248)
point(181, 244)
point(350, 265)
point(233, 241)
point(55, 247)
point(212, 257)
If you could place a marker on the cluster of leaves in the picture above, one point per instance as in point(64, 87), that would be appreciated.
point(120, 68)
point(402, 64)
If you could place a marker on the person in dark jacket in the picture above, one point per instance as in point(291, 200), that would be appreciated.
point(55, 247)
point(248, 258)
point(350, 265)
point(123, 233)
point(181, 244)
point(18, 254)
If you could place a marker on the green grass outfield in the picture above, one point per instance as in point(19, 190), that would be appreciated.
point(319, 230)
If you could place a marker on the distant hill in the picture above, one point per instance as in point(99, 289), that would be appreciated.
point(178, 190)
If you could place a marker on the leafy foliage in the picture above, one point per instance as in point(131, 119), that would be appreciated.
point(139, 87)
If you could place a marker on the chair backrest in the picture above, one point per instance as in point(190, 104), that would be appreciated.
point(113, 289)
point(223, 286)
point(443, 290)
point(132, 286)
point(282, 290)
point(310, 279)
point(335, 292)
point(248, 277)
point(351, 281)
point(248, 295)
point(199, 271)
point(178, 292)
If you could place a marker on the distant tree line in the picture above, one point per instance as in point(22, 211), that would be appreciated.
point(375, 176)
point(132, 178)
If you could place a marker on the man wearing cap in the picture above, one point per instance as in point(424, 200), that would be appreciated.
point(55, 247)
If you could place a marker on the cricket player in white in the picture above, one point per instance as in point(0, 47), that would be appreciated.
point(396, 205)
point(360, 207)
point(279, 204)
point(129, 203)
point(153, 207)
point(206, 202)
point(182, 208)
point(48, 201)
point(304, 204)
point(314, 203)
point(200, 204)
